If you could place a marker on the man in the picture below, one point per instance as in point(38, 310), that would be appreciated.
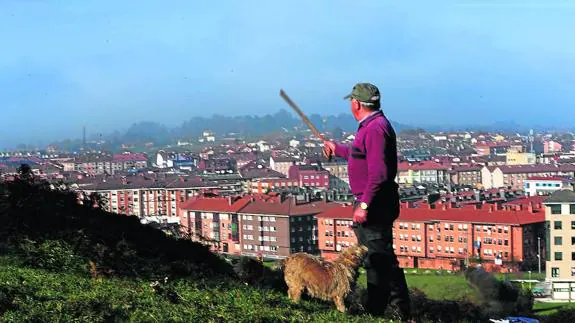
point(372, 167)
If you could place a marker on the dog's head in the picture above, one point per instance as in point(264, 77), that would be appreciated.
point(354, 255)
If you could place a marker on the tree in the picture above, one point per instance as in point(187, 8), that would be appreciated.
point(25, 173)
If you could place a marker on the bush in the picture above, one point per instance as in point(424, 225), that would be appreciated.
point(51, 255)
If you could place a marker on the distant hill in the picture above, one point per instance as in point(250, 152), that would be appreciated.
point(242, 125)
point(250, 126)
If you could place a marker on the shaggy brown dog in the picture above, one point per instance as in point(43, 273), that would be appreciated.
point(327, 280)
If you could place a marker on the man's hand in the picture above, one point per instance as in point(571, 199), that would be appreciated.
point(359, 215)
point(328, 149)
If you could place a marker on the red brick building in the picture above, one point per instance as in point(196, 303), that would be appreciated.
point(310, 176)
point(214, 221)
point(442, 237)
point(278, 227)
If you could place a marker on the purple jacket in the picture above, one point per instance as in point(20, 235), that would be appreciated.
point(372, 163)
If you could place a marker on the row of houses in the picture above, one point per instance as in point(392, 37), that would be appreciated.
point(96, 164)
point(486, 177)
point(437, 236)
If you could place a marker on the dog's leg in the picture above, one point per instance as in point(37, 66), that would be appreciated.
point(294, 293)
point(338, 300)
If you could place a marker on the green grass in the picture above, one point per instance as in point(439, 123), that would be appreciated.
point(38, 295)
point(551, 308)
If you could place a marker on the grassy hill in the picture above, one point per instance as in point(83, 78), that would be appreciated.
point(61, 261)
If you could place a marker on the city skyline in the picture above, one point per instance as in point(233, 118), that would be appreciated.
point(107, 65)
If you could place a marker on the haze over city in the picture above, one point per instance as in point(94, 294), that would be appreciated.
point(108, 64)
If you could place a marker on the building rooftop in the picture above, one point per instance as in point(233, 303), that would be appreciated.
point(540, 168)
point(485, 215)
point(550, 178)
point(288, 207)
point(216, 204)
point(422, 165)
point(562, 196)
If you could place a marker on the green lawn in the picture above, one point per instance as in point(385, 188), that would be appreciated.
point(436, 285)
point(550, 308)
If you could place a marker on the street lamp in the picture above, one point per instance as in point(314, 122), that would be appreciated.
point(539, 252)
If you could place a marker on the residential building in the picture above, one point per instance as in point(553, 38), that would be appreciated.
point(279, 227)
point(214, 221)
point(537, 185)
point(513, 176)
point(443, 237)
point(560, 260)
point(97, 164)
point(520, 158)
point(310, 176)
point(469, 175)
point(339, 177)
point(551, 146)
point(151, 198)
point(281, 164)
point(491, 148)
point(217, 165)
point(422, 172)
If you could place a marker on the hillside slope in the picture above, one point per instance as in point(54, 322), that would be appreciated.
point(61, 261)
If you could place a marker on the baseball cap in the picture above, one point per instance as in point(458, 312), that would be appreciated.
point(364, 92)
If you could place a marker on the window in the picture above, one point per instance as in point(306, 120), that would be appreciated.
point(558, 241)
point(557, 225)
point(572, 225)
point(572, 240)
point(554, 272)
point(571, 208)
point(573, 256)
point(572, 271)
point(556, 209)
point(558, 256)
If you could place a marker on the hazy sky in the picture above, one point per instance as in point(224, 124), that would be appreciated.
point(111, 63)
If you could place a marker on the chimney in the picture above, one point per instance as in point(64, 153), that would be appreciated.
point(502, 193)
point(230, 200)
point(444, 207)
point(478, 196)
point(490, 208)
point(307, 197)
point(530, 207)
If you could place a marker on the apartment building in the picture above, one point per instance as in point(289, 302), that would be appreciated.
point(96, 164)
point(560, 260)
point(443, 237)
point(469, 175)
point(339, 177)
point(151, 198)
point(281, 164)
point(491, 148)
point(538, 185)
point(214, 221)
point(520, 158)
point(413, 173)
point(276, 228)
point(310, 176)
point(514, 176)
